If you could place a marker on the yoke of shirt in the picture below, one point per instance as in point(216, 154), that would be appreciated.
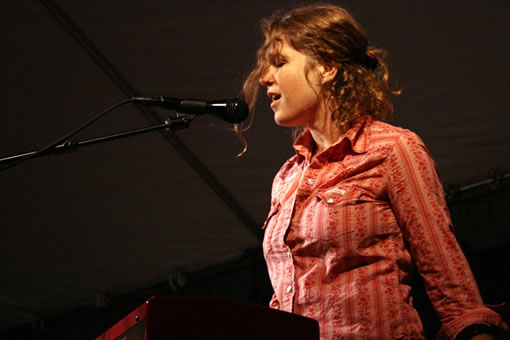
point(301, 179)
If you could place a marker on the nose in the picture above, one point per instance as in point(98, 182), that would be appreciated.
point(266, 79)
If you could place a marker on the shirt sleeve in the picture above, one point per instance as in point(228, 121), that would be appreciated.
point(417, 198)
point(273, 303)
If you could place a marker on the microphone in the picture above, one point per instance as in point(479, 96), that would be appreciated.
point(233, 110)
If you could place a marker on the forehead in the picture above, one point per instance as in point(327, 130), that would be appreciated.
point(279, 48)
point(273, 47)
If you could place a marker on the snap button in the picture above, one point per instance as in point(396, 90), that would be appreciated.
point(309, 181)
point(289, 289)
point(330, 200)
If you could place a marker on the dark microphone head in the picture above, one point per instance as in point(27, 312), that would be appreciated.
point(232, 110)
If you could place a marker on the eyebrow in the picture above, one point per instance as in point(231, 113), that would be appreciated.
point(277, 54)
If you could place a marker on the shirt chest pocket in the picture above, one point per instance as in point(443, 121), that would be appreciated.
point(335, 197)
point(338, 213)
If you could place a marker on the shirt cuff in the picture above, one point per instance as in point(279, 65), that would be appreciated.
point(482, 316)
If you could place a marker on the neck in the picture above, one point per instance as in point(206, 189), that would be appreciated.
point(325, 135)
point(323, 129)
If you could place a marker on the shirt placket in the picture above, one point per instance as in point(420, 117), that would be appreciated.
point(305, 187)
point(287, 280)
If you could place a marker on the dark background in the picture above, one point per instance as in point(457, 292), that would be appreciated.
point(89, 235)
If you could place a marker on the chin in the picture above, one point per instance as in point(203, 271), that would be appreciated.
point(285, 122)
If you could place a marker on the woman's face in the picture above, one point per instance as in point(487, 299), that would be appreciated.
point(294, 88)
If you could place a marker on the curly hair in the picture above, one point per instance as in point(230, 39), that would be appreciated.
point(329, 35)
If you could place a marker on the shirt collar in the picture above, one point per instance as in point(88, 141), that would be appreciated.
point(355, 140)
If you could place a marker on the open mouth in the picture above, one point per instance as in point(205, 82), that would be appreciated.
point(275, 100)
point(275, 97)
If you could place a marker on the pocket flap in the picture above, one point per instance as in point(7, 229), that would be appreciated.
point(340, 194)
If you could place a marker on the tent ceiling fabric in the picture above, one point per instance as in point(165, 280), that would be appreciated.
point(118, 216)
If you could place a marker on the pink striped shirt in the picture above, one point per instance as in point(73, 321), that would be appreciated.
point(345, 230)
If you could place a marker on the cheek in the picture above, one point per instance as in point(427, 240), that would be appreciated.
point(295, 86)
point(305, 95)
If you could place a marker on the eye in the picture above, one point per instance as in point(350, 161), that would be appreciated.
point(277, 61)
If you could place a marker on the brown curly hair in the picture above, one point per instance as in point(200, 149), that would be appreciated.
point(331, 36)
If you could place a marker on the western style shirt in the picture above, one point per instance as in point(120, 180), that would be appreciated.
point(347, 227)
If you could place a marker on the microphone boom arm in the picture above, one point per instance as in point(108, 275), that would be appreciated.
point(172, 124)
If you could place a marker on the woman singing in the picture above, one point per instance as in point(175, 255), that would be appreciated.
point(359, 205)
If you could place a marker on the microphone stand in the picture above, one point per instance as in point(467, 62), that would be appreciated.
point(173, 124)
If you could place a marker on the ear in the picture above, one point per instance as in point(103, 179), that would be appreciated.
point(327, 72)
